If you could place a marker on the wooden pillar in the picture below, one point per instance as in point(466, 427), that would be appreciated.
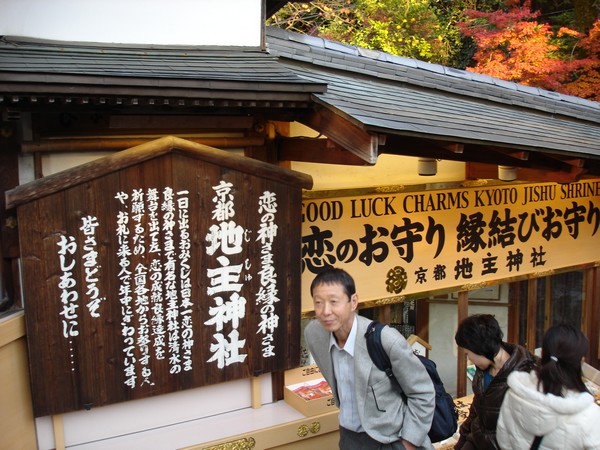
point(531, 314)
point(591, 314)
point(548, 319)
point(461, 365)
point(513, 312)
point(9, 237)
point(38, 169)
point(59, 432)
point(255, 392)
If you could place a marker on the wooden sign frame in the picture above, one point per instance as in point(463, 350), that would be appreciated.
point(164, 267)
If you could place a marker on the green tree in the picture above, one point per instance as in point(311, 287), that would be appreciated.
point(411, 28)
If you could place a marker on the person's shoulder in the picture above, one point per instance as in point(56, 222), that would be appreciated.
point(523, 377)
point(524, 384)
point(520, 358)
point(392, 333)
point(391, 339)
point(313, 326)
point(362, 320)
point(314, 334)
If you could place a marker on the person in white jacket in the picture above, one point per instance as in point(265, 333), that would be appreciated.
point(551, 402)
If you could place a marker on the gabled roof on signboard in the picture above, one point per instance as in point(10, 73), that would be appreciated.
point(153, 149)
point(387, 94)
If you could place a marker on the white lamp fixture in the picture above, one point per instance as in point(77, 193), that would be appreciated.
point(507, 173)
point(427, 167)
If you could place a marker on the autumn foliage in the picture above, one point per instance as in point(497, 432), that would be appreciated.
point(506, 40)
point(513, 45)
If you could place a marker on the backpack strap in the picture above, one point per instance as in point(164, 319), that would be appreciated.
point(536, 442)
point(376, 351)
point(431, 370)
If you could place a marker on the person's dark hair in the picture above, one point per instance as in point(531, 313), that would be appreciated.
point(563, 348)
point(335, 276)
point(481, 334)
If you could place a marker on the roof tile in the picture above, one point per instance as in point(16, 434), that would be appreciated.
point(398, 95)
point(467, 82)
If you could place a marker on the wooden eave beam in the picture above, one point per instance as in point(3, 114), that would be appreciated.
point(552, 162)
point(592, 166)
point(476, 170)
point(521, 156)
point(454, 148)
point(575, 162)
point(556, 176)
point(316, 150)
point(141, 94)
point(493, 155)
point(539, 166)
point(483, 161)
point(107, 125)
point(345, 133)
point(430, 148)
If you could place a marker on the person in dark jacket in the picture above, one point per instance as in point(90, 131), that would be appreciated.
point(480, 335)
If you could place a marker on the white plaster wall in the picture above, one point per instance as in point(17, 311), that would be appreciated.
point(53, 163)
point(158, 22)
point(443, 321)
point(389, 170)
point(104, 427)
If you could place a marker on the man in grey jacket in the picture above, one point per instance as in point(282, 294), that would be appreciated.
point(375, 411)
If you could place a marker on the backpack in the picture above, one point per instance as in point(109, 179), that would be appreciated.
point(445, 416)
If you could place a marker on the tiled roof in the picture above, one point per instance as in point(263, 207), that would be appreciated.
point(81, 66)
point(326, 54)
point(389, 94)
point(199, 63)
point(376, 91)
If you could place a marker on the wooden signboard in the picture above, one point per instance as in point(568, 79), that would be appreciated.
point(164, 267)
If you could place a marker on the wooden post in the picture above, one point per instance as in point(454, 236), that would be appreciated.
point(531, 314)
point(513, 312)
point(548, 319)
point(461, 366)
point(59, 432)
point(255, 392)
point(591, 314)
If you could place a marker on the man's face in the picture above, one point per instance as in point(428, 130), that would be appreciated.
point(334, 309)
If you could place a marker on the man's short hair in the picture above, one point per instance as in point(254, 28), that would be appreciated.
point(335, 276)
